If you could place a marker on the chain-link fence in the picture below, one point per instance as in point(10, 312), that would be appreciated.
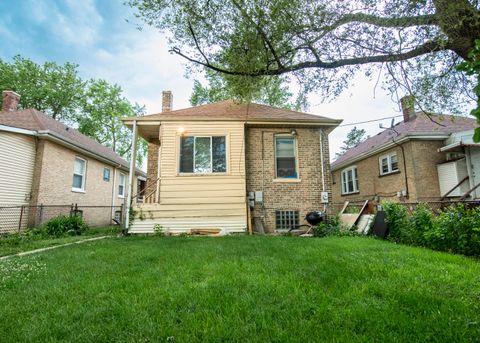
point(17, 218)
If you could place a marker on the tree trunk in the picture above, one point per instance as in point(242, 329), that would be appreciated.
point(460, 22)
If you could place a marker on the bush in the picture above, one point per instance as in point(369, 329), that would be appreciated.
point(62, 225)
point(397, 220)
point(332, 227)
point(456, 229)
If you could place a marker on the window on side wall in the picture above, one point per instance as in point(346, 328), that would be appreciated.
point(350, 180)
point(203, 154)
point(285, 158)
point(106, 174)
point(388, 164)
point(79, 172)
point(121, 186)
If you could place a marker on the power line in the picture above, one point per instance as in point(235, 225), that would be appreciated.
point(370, 121)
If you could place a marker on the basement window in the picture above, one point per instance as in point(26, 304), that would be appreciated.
point(203, 154)
point(286, 220)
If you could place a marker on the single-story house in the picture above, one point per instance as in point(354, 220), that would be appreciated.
point(399, 163)
point(218, 165)
point(45, 163)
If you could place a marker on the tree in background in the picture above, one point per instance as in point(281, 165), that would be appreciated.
point(103, 106)
point(271, 91)
point(414, 46)
point(94, 107)
point(54, 89)
point(354, 138)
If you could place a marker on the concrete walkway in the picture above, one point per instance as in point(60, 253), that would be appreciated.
point(53, 247)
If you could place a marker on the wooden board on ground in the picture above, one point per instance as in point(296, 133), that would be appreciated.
point(205, 232)
point(364, 223)
point(258, 225)
point(350, 219)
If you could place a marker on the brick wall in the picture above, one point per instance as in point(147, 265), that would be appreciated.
point(152, 165)
point(52, 183)
point(287, 194)
point(421, 159)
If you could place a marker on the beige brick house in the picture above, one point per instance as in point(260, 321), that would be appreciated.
point(209, 164)
point(400, 163)
point(44, 162)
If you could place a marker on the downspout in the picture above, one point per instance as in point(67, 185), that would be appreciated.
point(322, 166)
point(404, 167)
point(131, 174)
point(113, 191)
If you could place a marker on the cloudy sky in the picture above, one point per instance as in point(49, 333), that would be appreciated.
point(101, 36)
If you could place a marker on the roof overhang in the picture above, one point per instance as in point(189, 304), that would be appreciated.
point(386, 146)
point(456, 145)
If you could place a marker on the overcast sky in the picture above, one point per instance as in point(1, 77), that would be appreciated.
point(96, 36)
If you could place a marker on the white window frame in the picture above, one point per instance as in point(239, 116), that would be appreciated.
point(84, 176)
point(121, 184)
point(389, 163)
point(344, 181)
point(295, 153)
point(211, 155)
point(109, 174)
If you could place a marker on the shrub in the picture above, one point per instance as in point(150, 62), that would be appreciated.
point(421, 224)
point(456, 229)
point(61, 225)
point(397, 220)
point(332, 227)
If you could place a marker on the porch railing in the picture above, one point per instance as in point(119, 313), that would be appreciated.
point(148, 195)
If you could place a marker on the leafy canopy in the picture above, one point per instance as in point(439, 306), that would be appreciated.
point(413, 46)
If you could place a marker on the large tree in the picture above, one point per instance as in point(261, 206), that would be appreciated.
point(54, 89)
point(94, 106)
point(413, 45)
point(103, 106)
point(354, 138)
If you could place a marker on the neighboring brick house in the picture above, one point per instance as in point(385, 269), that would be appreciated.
point(44, 162)
point(208, 163)
point(397, 164)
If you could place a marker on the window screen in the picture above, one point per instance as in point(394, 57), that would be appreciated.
point(203, 154)
point(285, 157)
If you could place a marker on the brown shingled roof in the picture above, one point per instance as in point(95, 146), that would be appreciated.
point(231, 110)
point(34, 120)
point(419, 124)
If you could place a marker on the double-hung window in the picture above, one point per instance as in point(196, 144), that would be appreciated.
point(106, 174)
point(79, 171)
point(388, 164)
point(203, 154)
point(285, 157)
point(121, 186)
point(349, 180)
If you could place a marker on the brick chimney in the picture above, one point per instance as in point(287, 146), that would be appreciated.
point(167, 101)
point(10, 101)
point(408, 107)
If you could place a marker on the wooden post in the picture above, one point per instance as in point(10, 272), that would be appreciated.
point(133, 156)
point(21, 216)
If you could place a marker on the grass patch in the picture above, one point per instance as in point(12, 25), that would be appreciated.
point(25, 241)
point(195, 289)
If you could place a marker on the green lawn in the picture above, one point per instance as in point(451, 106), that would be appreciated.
point(243, 289)
point(15, 243)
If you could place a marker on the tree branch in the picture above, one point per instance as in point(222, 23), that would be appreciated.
point(428, 47)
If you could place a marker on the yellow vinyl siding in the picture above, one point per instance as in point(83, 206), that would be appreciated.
point(17, 161)
point(195, 201)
